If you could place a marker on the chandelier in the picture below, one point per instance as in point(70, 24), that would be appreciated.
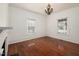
point(48, 9)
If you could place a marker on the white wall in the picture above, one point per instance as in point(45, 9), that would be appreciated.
point(3, 14)
point(45, 26)
point(72, 15)
point(18, 18)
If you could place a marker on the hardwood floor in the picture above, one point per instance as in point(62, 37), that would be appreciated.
point(44, 46)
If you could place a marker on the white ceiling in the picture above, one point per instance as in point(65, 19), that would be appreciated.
point(39, 7)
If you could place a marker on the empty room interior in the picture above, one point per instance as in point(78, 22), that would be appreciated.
point(39, 29)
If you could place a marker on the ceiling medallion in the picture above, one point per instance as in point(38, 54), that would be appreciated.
point(48, 9)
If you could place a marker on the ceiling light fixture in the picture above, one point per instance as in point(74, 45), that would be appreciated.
point(48, 9)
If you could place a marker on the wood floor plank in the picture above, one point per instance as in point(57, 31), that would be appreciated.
point(44, 46)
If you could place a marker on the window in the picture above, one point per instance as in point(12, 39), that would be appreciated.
point(62, 25)
point(31, 25)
